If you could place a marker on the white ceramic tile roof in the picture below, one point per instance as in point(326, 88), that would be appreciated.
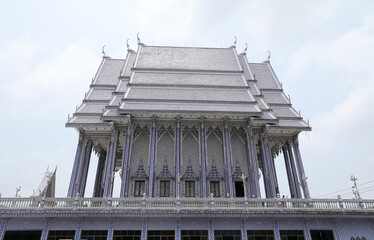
point(275, 97)
point(285, 112)
point(82, 119)
point(188, 79)
point(244, 65)
point(292, 123)
point(91, 108)
point(100, 94)
point(145, 106)
point(122, 86)
point(129, 65)
point(205, 59)
point(115, 100)
point(264, 76)
point(110, 71)
point(189, 94)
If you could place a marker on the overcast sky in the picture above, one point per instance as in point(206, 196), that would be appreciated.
point(322, 52)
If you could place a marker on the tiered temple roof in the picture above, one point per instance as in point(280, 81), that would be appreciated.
point(189, 82)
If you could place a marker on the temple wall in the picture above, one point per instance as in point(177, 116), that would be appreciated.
point(259, 224)
point(155, 223)
point(290, 224)
point(239, 154)
point(165, 154)
point(348, 228)
point(190, 154)
point(95, 224)
point(215, 155)
point(319, 224)
point(139, 154)
point(130, 223)
point(194, 223)
point(21, 224)
point(226, 223)
point(63, 224)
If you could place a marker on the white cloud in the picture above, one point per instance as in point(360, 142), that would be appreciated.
point(54, 85)
point(36, 107)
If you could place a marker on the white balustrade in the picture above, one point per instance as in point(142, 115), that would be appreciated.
point(185, 203)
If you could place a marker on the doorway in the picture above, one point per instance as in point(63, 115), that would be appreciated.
point(239, 189)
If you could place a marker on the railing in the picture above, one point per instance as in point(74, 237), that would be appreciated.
point(179, 204)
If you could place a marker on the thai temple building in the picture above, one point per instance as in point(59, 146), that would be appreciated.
point(193, 133)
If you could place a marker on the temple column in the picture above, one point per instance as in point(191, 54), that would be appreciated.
point(125, 163)
point(264, 173)
point(211, 229)
point(78, 230)
point(152, 158)
point(268, 167)
point(300, 167)
point(294, 172)
point(275, 175)
point(79, 172)
point(291, 182)
point(228, 169)
point(45, 231)
point(144, 229)
point(335, 230)
point(178, 140)
point(177, 228)
point(252, 165)
point(276, 229)
point(243, 229)
point(76, 165)
point(110, 164)
point(84, 171)
point(3, 223)
point(111, 229)
point(98, 188)
point(306, 230)
point(203, 169)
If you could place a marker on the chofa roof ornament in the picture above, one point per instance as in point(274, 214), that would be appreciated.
point(138, 39)
point(245, 50)
point(128, 46)
point(234, 44)
point(103, 52)
point(268, 58)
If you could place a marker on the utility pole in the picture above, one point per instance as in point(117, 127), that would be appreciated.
point(354, 187)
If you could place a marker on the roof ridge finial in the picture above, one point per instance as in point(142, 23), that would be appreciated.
point(128, 46)
point(103, 52)
point(245, 50)
point(268, 56)
point(138, 39)
point(234, 44)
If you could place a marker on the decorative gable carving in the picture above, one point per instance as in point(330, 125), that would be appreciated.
point(189, 174)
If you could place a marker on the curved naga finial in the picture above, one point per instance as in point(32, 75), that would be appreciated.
point(246, 47)
point(137, 36)
point(127, 43)
point(103, 51)
point(268, 56)
point(235, 40)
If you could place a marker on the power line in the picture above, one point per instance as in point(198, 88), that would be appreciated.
point(343, 190)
